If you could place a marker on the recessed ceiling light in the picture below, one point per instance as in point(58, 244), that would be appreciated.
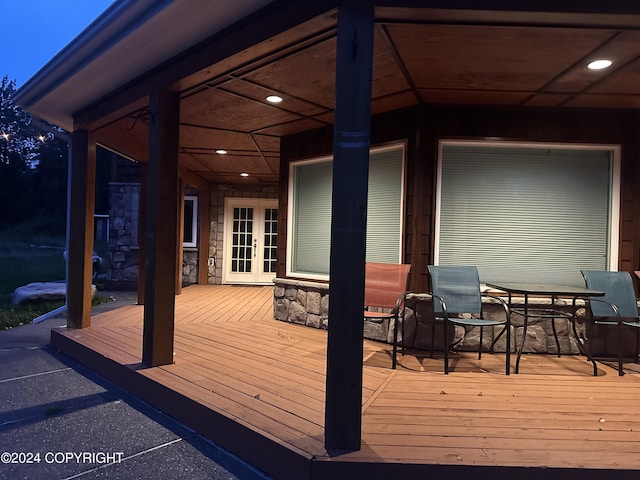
point(244, 174)
point(274, 99)
point(221, 152)
point(599, 64)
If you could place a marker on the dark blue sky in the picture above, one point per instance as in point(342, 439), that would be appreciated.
point(33, 31)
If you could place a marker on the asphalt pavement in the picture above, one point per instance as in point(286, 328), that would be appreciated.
point(59, 420)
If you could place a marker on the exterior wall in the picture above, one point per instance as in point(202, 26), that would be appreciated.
point(216, 236)
point(422, 127)
point(190, 254)
point(122, 269)
point(189, 266)
point(123, 237)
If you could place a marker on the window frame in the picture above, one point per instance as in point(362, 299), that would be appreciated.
point(396, 145)
point(194, 222)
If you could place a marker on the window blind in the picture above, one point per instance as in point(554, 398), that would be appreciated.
point(524, 214)
point(312, 186)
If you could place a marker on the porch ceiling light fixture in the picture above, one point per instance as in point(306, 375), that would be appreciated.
point(274, 99)
point(220, 151)
point(599, 64)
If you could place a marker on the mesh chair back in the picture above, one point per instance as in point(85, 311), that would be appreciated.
point(618, 288)
point(458, 286)
point(384, 283)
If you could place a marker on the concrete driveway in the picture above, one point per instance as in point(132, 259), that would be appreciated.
point(59, 420)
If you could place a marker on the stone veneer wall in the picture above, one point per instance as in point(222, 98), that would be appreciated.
point(189, 266)
point(122, 268)
point(216, 238)
point(307, 303)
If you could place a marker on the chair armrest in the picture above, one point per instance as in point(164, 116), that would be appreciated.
point(442, 304)
point(400, 301)
point(612, 306)
point(501, 301)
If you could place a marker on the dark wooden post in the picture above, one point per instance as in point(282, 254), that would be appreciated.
point(82, 181)
point(142, 226)
point(180, 239)
point(343, 409)
point(161, 229)
point(205, 231)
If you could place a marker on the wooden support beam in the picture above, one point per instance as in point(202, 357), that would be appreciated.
point(161, 231)
point(82, 181)
point(205, 231)
point(343, 409)
point(204, 203)
point(142, 225)
point(180, 239)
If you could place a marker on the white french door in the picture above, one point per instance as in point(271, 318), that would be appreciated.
point(250, 240)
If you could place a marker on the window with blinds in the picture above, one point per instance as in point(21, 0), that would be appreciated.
point(534, 213)
point(310, 212)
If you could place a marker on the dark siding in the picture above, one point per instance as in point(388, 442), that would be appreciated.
point(422, 127)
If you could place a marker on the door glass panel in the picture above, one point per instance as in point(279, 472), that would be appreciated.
point(270, 239)
point(242, 240)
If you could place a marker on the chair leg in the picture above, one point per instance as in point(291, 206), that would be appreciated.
point(395, 344)
point(403, 332)
point(480, 344)
point(582, 345)
point(555, 335)
point(446, 348)
point(508, 349)
point(620, 340)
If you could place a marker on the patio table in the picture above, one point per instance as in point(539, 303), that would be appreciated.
point(527, 311)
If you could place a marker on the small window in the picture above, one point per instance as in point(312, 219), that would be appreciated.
point(190, 221)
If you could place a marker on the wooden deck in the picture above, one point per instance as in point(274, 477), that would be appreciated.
point(255, 386)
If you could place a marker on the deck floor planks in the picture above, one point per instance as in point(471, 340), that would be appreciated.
point(277, 350)
point(96, 340)
point(226, 300)
point(308, 400)
point(232, 356)
point(290, 429)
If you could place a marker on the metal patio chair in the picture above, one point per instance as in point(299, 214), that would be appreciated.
point(456, 292)
point(618, 307)
point(385, 287)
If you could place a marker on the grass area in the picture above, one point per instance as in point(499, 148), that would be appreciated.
point(16, 315)
point(27, 258)
point(13, 316)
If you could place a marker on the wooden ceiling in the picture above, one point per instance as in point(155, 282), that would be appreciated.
point(516, 61)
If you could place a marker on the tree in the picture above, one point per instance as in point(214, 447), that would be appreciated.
point(19, 137)
point(49, 184)
point(23, 189)
point(33, 170)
